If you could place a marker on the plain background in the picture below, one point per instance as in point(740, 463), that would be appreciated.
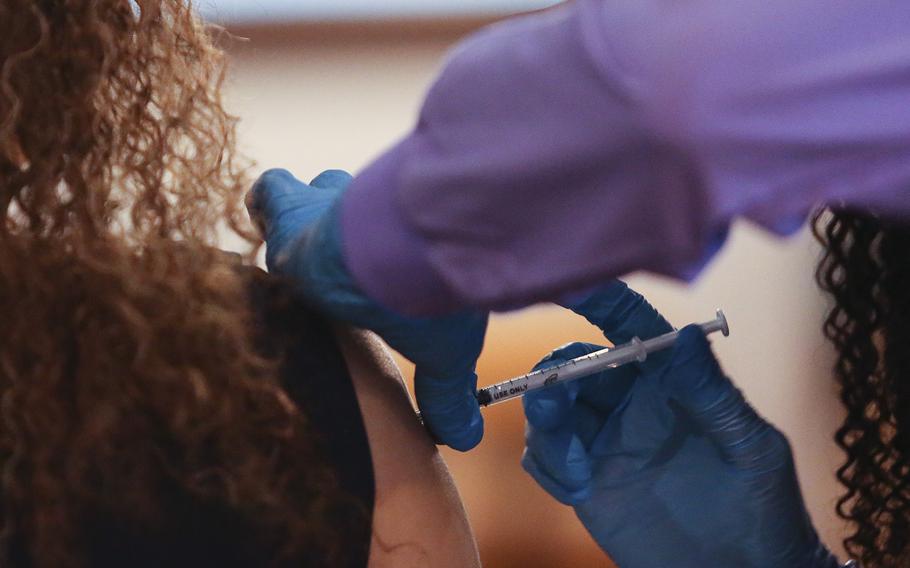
point(315, 97)
point(228, 11)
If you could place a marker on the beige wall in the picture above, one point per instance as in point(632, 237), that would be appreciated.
point(309, 105)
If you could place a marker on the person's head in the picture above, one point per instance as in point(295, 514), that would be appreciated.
point(126, 355)
point(866, 268)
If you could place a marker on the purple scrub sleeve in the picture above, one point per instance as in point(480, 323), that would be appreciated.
point(561, 149)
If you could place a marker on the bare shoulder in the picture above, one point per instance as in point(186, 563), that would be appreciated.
point(419, 519)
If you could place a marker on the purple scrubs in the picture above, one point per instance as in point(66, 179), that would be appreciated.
point(561, 149)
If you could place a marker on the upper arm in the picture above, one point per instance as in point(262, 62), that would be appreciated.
point(529, 172)
point(418, 518)
point(558, 150)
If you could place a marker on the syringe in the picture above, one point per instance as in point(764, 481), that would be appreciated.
point(634, 351)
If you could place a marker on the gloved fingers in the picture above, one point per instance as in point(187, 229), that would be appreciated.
point(441, 346)
point(607, 390)
point(549, 407)
point(601, 394)
point(639, 428)
point(449, 408)
point(709, 397)
point(588, 423)
point(562, 453)
point(620, 312)
point(269, 194)
point(277, 192)
point(559, 461)
point(333, 179)
point(551, 486)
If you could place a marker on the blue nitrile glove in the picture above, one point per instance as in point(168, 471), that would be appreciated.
point(665, 463)
point(300, 223)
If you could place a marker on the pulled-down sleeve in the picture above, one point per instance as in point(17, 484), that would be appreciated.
point(561, 149)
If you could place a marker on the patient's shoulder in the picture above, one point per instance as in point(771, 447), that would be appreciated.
point(419, 519)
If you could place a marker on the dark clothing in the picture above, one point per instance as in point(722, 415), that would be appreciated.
point(316, 378)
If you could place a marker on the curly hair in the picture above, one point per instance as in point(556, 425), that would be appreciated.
point(127, 358)
point(866, 268)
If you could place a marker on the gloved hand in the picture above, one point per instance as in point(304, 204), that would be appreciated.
point(300, 225)
point(665, 463)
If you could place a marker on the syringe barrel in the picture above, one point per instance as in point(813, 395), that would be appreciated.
point(598, 361)
point(574, 369)
point(634, 351)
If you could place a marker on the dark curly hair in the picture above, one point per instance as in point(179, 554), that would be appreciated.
point(127, 359)
point(866, 268)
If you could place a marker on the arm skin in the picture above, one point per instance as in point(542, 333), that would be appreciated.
point(418, 519)
point(558, 150)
